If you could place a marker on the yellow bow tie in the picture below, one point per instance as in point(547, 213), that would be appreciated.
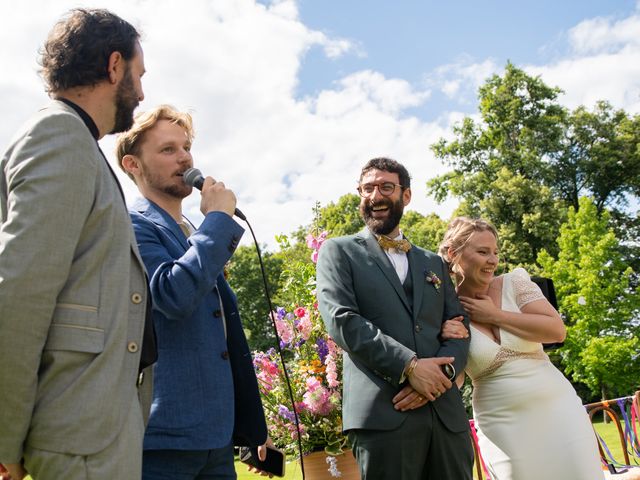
point(401, 245)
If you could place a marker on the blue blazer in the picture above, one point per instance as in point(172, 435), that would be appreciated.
point(205, 391)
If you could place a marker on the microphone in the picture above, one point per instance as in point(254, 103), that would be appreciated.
point(193, 177)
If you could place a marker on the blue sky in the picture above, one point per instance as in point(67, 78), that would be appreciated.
point(291, 98)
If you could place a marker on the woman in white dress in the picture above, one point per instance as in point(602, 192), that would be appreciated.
point(531, 424)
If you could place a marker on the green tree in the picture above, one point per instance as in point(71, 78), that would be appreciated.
point(342, 217)
point(245, 278)
point(526, 145)
point(601, 157)
point(424, 231)
point(600, 308)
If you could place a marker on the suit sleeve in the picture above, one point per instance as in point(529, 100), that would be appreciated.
point(354, 333)
point(178, 285)
point(50, 188)
point(454, 347)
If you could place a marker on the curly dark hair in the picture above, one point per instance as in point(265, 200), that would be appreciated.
point(77, 50)
point(388, 165)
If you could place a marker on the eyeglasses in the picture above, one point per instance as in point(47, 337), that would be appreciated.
point(385, 188)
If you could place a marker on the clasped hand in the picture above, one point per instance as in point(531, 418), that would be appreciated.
point(426, 383)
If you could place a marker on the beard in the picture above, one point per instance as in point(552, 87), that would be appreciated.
point(171, 189)
point(126, 103)
point(382, 226)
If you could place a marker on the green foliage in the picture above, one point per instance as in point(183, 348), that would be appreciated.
point(600, 156)
point(528, 159)
point(245, 279)
point(297, 274)
point(601, 310)
point(343, 217)
point(424, 231)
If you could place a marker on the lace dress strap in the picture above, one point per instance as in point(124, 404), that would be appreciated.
point(525, 290)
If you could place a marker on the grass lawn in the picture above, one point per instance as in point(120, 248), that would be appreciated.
point(606, 431)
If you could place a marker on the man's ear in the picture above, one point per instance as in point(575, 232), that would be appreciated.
point(406, 196)
point(131, 164)
point(115, 67)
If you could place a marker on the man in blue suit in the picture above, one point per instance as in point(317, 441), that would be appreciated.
point(205, 394)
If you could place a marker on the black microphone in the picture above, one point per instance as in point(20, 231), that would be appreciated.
point(193, 177)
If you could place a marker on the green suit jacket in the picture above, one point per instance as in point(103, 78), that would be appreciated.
point(367, 313)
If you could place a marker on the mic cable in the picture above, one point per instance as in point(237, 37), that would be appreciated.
point(278, 347)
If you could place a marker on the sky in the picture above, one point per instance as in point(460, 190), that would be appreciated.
point(291, 98)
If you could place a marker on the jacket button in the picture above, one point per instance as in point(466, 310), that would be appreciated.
point(136, 298)
point(132, 347)
point(417, 328)
point(217, 313)
point(225, 355)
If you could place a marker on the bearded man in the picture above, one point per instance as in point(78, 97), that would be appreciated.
point(73, 291)
point(383, 301)
point(205, 391)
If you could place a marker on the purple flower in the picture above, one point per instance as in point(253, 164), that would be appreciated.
point(322, 348)
point(284, 412)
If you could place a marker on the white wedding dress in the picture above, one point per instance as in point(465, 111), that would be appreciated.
point(531, 423)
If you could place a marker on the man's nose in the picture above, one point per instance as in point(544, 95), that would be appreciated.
point(376, 193)
point(185, 156)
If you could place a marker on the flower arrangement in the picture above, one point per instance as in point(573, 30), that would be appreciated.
point(313, 362)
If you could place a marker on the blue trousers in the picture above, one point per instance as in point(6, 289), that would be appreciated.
point(189, 464)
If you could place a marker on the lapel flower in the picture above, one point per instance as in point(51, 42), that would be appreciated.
point(433, 279)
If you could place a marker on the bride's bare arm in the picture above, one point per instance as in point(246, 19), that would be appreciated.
point(537, 321)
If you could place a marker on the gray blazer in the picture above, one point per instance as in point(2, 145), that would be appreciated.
point(367, 313)
point(72, 292)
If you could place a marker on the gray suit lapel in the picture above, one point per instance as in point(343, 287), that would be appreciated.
point(380, 258)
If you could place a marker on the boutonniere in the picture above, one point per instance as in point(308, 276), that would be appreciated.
point(433, 279)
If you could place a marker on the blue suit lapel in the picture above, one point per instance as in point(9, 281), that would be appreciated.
point(380, 258)
point(161, 218)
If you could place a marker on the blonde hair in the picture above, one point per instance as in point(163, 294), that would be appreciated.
point(128, 143)
point(457, 236)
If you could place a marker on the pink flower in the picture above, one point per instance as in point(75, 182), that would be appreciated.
point(332, 371)
point(305, 326)
point(317, 398)
point(300, 312)
point(285, 330)
point(314, 243)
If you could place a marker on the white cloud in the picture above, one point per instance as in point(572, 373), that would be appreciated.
point(460, 80)
point(235, 65)
point(598, 35)
point(603, 64)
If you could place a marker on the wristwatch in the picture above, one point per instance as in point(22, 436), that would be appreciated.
point(449, 370)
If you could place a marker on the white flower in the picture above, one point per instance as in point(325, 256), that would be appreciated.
point(333, 466)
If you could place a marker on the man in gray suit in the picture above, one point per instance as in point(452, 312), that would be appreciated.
point(383, 301)
point(73, 291)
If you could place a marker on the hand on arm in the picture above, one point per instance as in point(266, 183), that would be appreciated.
point(454, 328)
